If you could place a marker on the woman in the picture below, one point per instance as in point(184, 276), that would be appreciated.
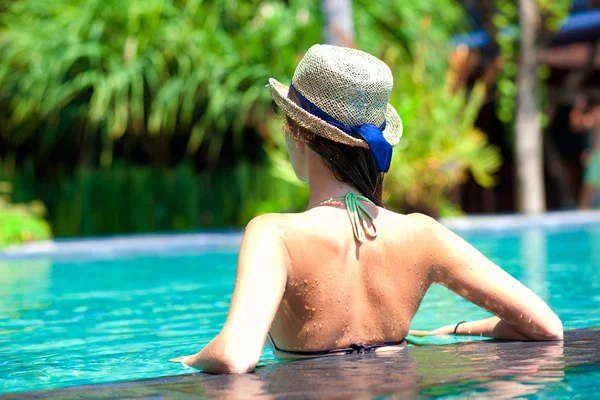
point(347, 275)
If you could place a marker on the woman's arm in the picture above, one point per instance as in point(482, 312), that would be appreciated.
point(261, 277)
point(521, 314)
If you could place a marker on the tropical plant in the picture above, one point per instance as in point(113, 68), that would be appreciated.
point(20, 223)
point(178, 86)
point(441, 145)
point(135, 199)
point(168, 78)
point(505, 20)
point(391, 25)
point(159, 82)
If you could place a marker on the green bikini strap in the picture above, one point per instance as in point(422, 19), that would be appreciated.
point(358, 214)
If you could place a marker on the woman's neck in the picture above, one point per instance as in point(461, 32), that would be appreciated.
point(322, 183)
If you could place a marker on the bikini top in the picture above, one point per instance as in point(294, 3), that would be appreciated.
point(358, 214)
point(355, 348)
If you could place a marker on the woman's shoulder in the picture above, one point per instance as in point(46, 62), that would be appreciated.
point(421, 220)
point(413, 221)
point(281, 223)
point(270, 221)
point(273, 222)
point(419, 231)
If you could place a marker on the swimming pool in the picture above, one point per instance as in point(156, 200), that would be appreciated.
point(82, 314)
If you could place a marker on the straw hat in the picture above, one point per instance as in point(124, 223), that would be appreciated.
point(349, 85)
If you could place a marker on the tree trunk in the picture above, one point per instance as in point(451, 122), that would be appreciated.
point(531, 197)
point(339, 28)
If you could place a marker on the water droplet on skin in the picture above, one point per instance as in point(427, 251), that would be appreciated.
point(320, 326)
point(339, 299)
point(306, 281)
point(306, 330)
point(315, 325)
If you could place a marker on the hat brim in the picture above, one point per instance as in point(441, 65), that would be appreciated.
point(392, 132)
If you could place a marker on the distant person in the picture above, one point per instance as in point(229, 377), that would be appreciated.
point(347, 275)
point(585, 119)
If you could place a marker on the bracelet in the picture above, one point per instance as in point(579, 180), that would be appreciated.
point(456, 327)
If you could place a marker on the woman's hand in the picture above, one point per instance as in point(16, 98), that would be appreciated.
point(213, 359)
point(414, 332)
point(444, 330)
point(185, 360)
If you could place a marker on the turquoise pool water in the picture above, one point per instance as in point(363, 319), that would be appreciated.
point(73, 320)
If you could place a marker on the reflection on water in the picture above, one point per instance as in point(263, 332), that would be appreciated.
point(533, 253)
point(23, 286)
point(503, 370)
point(333, 377)
point(480, 369)
point(594, 239)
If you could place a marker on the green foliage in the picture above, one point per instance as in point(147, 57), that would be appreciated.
point(506, 16)
point(386, 24)
point(92, 71)
point(506, 20)
point(136, 199)
point(440, 145)
point(20, 223)
point(183, 83)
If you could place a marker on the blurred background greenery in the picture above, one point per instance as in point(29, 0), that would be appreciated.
point(127, 116)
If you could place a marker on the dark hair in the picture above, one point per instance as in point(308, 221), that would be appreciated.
point(353, 165)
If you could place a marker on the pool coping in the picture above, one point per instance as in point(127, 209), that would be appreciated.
point(159, 243)
point(126, 244)
point(521, 221)
point(500, 367)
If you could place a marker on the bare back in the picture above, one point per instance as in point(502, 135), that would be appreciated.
point(340, 291)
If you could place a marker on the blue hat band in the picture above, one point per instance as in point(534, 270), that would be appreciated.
point(372, 134)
